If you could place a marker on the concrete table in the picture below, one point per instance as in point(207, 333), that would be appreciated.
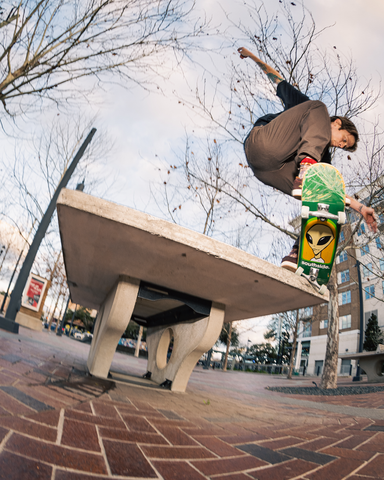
point(371, 362)
point(178, 283)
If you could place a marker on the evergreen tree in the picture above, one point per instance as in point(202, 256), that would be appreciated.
point(373, 334)
point(263, 353)
point(82, 314)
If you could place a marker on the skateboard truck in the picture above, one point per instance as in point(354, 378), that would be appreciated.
point(312, 278)
point(323, 207)
point(322, 213)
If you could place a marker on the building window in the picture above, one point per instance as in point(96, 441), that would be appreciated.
point(367, 270)
point(345, 366)
point(324, 323)
point(378, 242)
point(345, 297)
point(306, 312)
point(319, 367)
point(342, 257)
point(369, 291)
point(364, 250)
point(367, 316)
point(361, 229)
point(307, 329)
point(342, 237)
point(345, 322)
point(353, 217)
point(344, 276)
point(381, 264)
point(305, 348)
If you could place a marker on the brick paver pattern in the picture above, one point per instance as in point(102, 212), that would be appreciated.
point(58, 423)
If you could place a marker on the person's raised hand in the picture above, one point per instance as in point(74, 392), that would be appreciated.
point(370, 218)
point(244, 53)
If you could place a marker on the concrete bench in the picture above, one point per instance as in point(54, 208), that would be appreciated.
point(371, 362)
point(176, 282)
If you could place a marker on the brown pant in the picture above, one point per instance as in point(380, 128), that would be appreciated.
point(274, 151)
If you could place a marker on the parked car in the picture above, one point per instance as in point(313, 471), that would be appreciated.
point(87, 337)
point(78, 335)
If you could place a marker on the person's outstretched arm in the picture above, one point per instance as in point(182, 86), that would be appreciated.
point(271, 73)
point(368, 213)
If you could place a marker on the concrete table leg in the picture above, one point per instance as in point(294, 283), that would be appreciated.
point(373, 367)
point(113, 319)
point(190, 341)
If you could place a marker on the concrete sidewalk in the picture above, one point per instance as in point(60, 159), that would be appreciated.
point(58, 423)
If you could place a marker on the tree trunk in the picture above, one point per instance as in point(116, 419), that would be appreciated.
point(292, 360)
point(4, 256)
point(62, 293)
point(54, 310)
point(138, 342)
point(329, 377)
point(228, 345)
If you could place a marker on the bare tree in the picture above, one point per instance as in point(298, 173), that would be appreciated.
point(293, 323)
point(32, 181)
point(31, 178)
point(210, 188)
point(48, 46)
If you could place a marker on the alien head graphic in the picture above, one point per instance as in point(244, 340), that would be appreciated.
point(319, 237)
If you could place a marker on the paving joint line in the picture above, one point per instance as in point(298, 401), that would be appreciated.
point(60, 427)
point(103, 452)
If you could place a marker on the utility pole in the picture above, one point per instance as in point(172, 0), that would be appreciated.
point(8, 322)
point(357, 378)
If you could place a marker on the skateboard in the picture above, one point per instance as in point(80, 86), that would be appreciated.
point(322, 214)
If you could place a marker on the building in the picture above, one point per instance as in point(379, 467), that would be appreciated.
point(360, 277)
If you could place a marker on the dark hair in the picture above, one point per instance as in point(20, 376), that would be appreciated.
point(350, 127)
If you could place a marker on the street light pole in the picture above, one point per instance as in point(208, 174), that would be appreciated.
point(8, 322)
point(357, 378)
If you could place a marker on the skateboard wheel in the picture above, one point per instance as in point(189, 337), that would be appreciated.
point(299, 271)
point(322, 290)
point(347, 202)
point(304, 211)
point(341, 218)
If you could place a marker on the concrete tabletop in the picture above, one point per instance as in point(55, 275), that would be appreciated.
point(102, 240)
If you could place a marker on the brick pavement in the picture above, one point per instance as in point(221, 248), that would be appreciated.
point(57, 423)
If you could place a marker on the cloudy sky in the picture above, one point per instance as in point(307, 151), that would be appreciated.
point(144, 125)
point(148, 127)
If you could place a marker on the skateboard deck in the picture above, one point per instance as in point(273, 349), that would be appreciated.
point(323, 213)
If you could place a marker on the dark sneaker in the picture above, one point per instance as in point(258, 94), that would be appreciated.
point(296, 188)
point(290, 261)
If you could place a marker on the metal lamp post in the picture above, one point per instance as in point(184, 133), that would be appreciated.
point(357, 378)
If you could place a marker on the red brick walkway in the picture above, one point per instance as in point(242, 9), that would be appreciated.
point(57, 423)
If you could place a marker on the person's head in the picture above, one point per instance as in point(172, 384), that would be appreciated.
point(344, 134)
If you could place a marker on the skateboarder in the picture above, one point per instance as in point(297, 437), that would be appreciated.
point(280, 147)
